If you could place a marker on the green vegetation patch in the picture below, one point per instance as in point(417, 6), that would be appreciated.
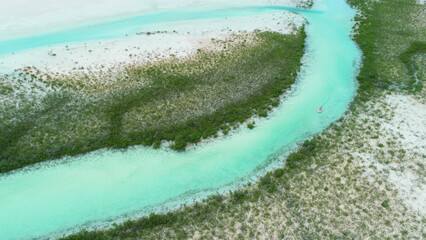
point(407, 57)
point(177, 100)
point(388, 44)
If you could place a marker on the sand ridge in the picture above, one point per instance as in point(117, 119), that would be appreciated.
point(168, 39)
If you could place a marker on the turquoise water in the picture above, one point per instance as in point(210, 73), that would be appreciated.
point(121, 27)
point(108, 185)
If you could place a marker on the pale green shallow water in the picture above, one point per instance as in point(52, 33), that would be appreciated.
point(90, 189)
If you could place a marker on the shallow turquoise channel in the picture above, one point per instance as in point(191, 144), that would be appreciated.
point(97, 188)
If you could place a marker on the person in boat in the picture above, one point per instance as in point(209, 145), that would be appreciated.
point(320, 109)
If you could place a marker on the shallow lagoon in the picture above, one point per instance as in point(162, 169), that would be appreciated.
point(106, 185)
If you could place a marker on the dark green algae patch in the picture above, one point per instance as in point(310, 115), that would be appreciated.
point(177, 100)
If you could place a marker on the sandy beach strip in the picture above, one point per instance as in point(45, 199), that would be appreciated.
point(177, 39)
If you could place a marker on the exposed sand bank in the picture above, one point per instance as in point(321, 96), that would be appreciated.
point(405, 125)
point(176, 39)
point(27, 17)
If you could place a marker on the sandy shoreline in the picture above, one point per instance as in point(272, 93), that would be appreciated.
point(177, 39)
point(27, 17)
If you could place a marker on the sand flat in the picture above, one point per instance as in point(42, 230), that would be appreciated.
point(46, 16)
